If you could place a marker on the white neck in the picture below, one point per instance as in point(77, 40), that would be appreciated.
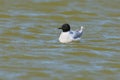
point(65, 37)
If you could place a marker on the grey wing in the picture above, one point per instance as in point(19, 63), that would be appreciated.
point(78, 34)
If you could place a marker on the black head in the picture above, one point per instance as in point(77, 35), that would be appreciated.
point(65, 27)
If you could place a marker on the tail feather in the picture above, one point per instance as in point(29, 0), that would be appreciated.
point(81, 30)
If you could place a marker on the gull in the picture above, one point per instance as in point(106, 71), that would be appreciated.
point(67, 35)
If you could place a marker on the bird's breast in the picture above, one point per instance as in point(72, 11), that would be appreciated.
point(65, 38)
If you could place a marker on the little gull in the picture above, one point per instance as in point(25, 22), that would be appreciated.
point(67, 35)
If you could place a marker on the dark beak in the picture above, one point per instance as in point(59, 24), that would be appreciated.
point(60, 28)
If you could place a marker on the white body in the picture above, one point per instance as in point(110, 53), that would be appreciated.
point(66, 37)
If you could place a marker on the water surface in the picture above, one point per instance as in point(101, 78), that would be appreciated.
point(29, 47)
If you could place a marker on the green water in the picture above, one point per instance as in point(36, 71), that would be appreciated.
point(29, 47)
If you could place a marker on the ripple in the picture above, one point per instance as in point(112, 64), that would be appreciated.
point(29, 46)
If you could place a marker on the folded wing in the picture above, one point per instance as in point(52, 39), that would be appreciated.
point(78, 34)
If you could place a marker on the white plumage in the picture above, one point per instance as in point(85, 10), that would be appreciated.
point(67, 35)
